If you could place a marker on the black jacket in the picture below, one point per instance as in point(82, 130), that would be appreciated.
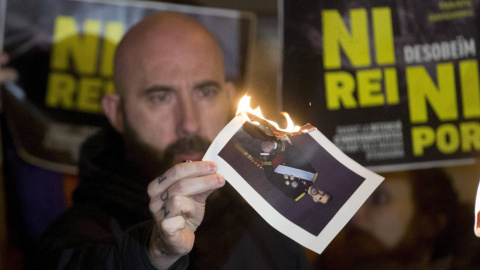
point(109, 225)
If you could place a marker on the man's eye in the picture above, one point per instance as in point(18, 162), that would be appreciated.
point(161, 96)
point(208, 92)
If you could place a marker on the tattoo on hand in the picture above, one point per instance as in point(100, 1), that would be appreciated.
point(164, 196)
point(161, 178)
point(166, 212)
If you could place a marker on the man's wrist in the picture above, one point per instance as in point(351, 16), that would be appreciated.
point(157, 243)
point(157, 252)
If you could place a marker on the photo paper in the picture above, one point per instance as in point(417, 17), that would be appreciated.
point(300, 183)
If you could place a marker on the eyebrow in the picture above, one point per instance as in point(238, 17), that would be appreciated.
point(156, 89)
point(163, 88)
point(207, 84)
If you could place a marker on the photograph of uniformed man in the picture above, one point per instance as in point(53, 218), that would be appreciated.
point(295, 179)
point(293, 173)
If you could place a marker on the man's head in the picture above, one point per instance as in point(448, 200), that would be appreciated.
point(318, 195)
point(172, 98)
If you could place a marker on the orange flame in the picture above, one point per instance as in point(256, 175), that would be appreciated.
point(244, 108)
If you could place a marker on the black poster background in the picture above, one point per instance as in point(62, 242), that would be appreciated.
point(303, 92)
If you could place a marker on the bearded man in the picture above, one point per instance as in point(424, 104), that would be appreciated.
point(137, 205)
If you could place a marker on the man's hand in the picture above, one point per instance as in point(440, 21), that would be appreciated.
point(177, 203)
point(6, 74)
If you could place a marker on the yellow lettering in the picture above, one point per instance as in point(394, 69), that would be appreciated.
point(422, 137)
point(470, 132)
point(113, 34)
point(369, 88)
point(339, 86)
point(391, 86)
point(109, 87)
point(84, 94)
point(89, 95)
point(70, 47)
point(422, 90)
point(448, 139)
point(335, 35)
point(60, 91)
point(470, 88)
point(382, 27)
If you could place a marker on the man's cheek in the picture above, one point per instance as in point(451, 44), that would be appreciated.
point(157, 138)
point(213, 127)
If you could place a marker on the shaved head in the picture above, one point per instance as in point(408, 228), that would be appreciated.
point(166, 34)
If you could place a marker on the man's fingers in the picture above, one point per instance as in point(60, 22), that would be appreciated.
point(181, 206)
point(197, 185)
point(171, 226)
point(177, 239)
point(177, 202)
point(175, 206)
point(202, 197)
point(181, 171)
point(188, 170)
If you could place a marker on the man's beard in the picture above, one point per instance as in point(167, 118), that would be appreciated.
point(147, 163)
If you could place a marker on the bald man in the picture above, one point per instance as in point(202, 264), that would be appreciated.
point(171, 102)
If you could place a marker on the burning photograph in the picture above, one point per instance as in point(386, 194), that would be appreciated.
point(295, 178)
point(295, 175)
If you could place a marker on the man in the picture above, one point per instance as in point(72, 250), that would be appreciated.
point(171, 102)
point(318, 195)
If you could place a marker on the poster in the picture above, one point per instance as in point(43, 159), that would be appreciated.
point(64, 52)
point(301, 184)
point(394, 84)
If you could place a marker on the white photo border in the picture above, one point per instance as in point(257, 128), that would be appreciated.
point(271, 215)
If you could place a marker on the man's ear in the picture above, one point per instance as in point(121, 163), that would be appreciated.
point(113, 111)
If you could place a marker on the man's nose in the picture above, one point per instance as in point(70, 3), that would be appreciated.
point(189, 118)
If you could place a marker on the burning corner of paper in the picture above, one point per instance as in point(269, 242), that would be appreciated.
point(284, 184)
point(270, 128)
point(476, 226)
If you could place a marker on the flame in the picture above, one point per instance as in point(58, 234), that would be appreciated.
point(244, 108)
